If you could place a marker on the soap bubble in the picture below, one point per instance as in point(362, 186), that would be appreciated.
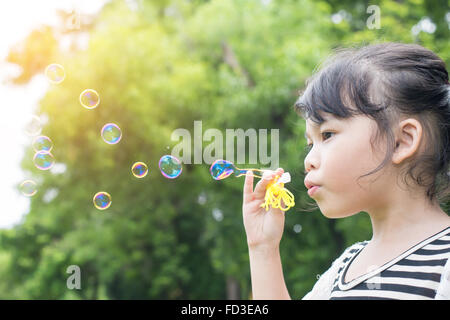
point(55, 73)
point(89, 99)
point(139, 169)
point(33, 126)
point(170, 166)
point(43, 160)
point(28, 188)
point(42, 143)
point(102, 200)
point(221, 169)
point(111, 133)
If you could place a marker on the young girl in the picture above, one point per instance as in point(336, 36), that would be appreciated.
point(378, 125)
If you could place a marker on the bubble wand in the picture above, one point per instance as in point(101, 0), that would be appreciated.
point(275, 190)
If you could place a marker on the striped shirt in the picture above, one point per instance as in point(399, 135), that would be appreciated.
point(415, 274)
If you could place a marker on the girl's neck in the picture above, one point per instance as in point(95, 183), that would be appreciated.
point(406, 222)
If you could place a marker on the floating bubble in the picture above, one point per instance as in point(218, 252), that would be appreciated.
point(42, 143)
point(139, 169)
point(28, 188)
point(89, 99)
point(102, 200)
point(170, 166)
point(55, 73)
point(43, 160)
point(111, 133)
point(33, 126)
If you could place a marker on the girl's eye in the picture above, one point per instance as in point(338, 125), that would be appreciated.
point(325, 132)
point(309, 146)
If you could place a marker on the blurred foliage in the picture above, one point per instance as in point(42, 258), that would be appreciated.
point(159, 66)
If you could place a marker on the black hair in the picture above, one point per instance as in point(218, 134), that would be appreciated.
point(386, 81)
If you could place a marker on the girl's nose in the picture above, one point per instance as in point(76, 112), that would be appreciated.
point(308, 169)
point(310, 161)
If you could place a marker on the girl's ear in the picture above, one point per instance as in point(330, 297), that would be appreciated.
point(408, 137)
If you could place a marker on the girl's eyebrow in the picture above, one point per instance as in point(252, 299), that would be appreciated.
point(326, 119)
point(307, 134)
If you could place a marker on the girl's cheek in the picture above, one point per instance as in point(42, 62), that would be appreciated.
point(343, 164)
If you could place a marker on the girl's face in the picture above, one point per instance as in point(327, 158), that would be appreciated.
point(342, 152)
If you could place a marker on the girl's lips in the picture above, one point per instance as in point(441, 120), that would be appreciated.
point(313, 190)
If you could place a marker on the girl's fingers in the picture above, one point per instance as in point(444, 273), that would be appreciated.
point(248, 186)
point(268, 176)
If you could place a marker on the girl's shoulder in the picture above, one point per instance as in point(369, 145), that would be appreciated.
point(322, 288)
point(434, 251)
point(351, 250)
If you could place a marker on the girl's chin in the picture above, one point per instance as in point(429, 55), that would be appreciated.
point(334, 213)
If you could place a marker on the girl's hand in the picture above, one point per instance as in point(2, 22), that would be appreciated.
point(264, 229)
